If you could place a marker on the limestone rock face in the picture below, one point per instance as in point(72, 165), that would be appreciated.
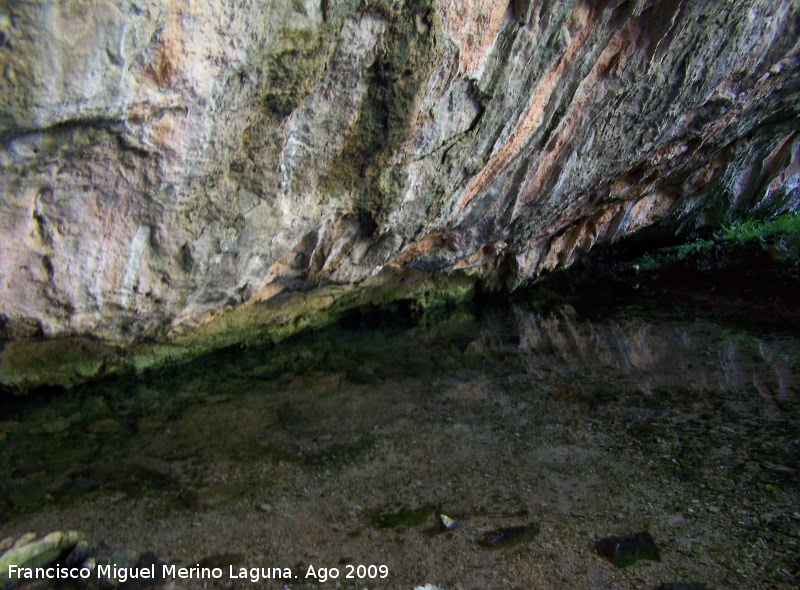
point(162, 160)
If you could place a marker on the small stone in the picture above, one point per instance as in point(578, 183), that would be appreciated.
point(149, 423)
point(209, 496)
point(446, 523)
point(478, 349)
point(9, 425)
point(56, 426)
point(104, 426)
point(77, 555)
point(123, 559)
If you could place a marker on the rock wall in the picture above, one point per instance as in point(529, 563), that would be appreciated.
point(163, 160)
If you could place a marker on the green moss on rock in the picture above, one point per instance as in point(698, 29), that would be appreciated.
point(26, 364)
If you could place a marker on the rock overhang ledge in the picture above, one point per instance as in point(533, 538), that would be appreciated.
point(166, 162)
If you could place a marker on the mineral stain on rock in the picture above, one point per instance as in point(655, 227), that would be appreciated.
point(625, 551)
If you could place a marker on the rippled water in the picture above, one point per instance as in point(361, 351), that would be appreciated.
point(340, 447)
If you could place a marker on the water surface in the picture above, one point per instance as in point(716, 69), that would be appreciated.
point(341, 446)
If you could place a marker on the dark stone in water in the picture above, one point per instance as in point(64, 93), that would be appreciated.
point(148, 560)
point(508, 536)
point(127, 559)
point(289, 418)
point(77, 555)
point(405, 517)
point(79, 486)
point(222, 560)
point(625, 551)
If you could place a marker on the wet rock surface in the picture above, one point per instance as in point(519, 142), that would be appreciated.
point(582, 420)
point(68, 560)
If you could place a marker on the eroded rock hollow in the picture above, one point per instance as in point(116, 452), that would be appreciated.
point(165, 163)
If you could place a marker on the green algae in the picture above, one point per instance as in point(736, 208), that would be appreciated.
point(70, 361)
point(64, 361)
point(406, 517)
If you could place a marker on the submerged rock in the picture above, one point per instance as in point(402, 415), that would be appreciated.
point(107, 567)
point(625, 551)
point(508, 536)
point(30, 552)
point(407, 517)
point(210, 496)
point(222, 560)
point(104, 426)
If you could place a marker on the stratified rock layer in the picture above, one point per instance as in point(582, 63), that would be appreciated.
point(165, 160)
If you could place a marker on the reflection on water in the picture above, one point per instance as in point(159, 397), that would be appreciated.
point(651, 354)
point(574, 424)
